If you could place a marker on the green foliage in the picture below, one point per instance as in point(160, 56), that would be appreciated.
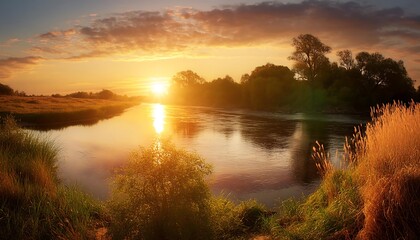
point(238, 221)
point(333, 210)
point(315, 84)
point(161, 194)
point(33, 205)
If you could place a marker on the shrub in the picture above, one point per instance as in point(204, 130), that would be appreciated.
point(161, 194)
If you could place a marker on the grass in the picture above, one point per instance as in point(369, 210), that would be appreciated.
point(53, 112)
point(33, 204)
point(377, 196)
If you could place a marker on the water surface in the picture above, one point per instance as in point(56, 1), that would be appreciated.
point(260, 155)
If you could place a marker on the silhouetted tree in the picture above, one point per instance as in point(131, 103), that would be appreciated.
point(5, 90)
point(223, 92)
point(187, 88)
point(187, 79)
point(346, 59)
point(309, 56)
point(384, 78)
point(268, 86)
point(105, 94)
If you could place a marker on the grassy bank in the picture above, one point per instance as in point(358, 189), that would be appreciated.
point(376, 197)
point(54, 112)
point(33, 203)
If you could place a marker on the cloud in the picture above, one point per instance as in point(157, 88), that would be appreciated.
point(347, 24)
point(339, 24)
point(9, 65)
point(52, 35)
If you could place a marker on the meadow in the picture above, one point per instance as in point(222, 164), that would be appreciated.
point(56, 112)
point(161, 193)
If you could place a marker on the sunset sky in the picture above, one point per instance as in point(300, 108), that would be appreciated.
point(62, 46)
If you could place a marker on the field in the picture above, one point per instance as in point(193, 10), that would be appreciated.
point(54, 112)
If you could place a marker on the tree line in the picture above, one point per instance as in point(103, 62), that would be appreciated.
point(353, 84)
point(103, 94)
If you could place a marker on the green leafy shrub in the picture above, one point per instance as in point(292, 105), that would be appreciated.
point(161, 193)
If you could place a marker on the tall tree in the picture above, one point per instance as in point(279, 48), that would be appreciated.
point(309, 56)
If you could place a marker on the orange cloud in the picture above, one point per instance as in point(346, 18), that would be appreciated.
point(8, 65)
point(339, 24)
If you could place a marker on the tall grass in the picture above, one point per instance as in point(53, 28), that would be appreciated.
point(376, 197)
point(33, 205)
point(389, 173)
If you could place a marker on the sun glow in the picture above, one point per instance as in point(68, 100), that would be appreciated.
point(159, 86)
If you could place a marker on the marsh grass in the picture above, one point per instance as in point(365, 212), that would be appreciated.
point(33, 204)
point(377, 195)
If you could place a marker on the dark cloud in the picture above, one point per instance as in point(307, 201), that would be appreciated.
point(9, 65)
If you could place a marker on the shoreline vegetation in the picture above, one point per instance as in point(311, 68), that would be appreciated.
point(43, 112)
point(161, 193)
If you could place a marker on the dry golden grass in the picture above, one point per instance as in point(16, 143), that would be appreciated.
point(389, 173)
point(392, 142)
point(384, 160)
point(27, 105)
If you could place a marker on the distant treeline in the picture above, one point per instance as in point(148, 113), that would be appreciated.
point(104, 94)
point(314, 83)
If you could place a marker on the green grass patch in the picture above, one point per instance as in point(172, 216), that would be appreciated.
point(33, 204)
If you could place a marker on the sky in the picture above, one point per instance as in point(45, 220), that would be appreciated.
point(62, 46)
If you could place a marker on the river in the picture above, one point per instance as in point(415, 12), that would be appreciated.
point(255, 154)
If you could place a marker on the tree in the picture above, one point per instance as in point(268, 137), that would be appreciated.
point(223, 92)
point(187, 79)
point(5, 90)
point(105, 94)
point(384, 78)
point(187, 88)
point(309, 56)
point(346, 59)
point(268, 86)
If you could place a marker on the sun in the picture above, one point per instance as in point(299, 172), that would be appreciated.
point(159, 87)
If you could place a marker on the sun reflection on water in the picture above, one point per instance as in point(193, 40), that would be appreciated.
point(158, 113)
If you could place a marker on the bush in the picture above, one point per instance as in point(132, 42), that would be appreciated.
point(161, 194)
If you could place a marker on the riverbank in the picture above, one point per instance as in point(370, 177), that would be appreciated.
point(59, 112)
